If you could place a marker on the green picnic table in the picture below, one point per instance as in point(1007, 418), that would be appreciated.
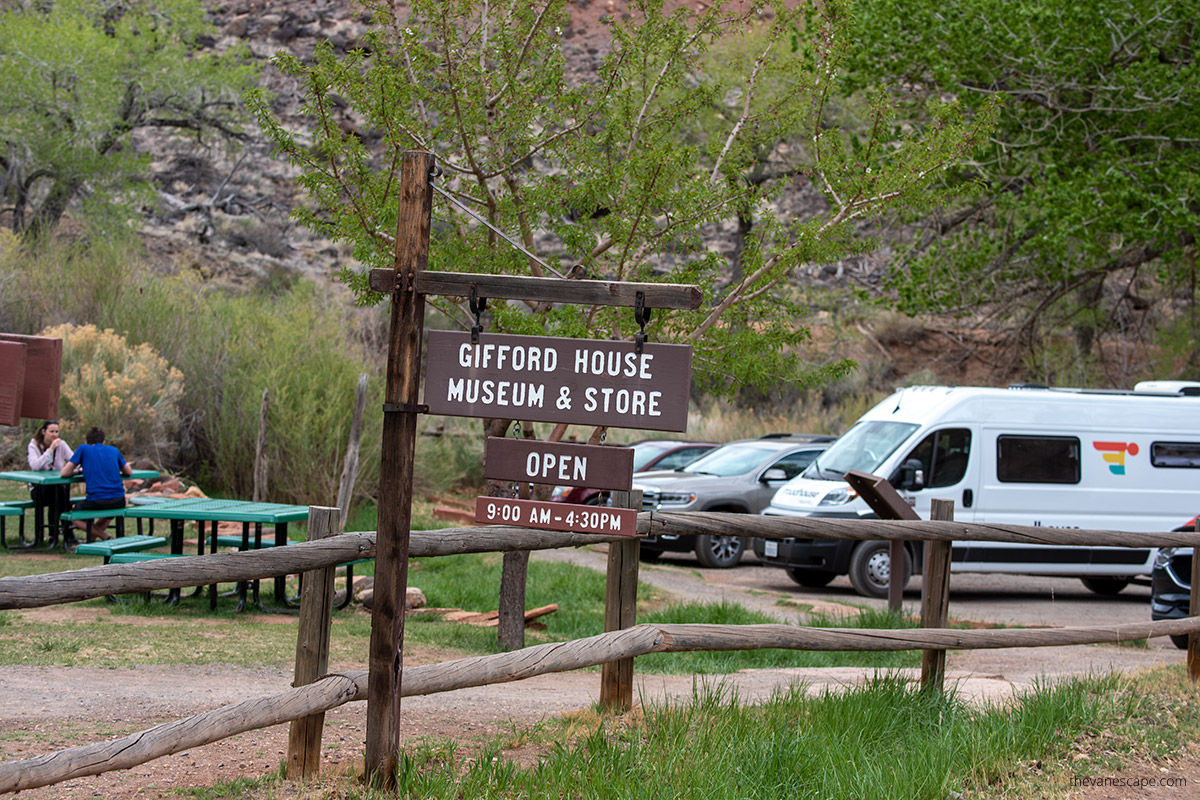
point(46, 516)
point(206, 510)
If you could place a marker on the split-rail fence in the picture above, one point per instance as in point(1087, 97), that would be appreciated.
point(317, 558)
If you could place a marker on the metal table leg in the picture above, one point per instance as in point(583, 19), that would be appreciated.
point(176, 547)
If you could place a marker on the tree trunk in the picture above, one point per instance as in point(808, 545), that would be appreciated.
point(52, 209)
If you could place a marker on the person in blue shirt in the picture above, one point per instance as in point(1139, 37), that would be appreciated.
point(103, 467)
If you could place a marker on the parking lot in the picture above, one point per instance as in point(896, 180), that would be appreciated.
point(1003, 600)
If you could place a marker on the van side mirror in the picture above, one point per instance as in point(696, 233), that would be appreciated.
point(912, 475)
point(773, 475)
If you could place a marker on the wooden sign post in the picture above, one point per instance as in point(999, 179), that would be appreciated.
point(632, 397)
point(396, 473)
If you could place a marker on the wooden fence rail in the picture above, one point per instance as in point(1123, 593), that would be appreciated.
point(337, 689)
point(65, 587)
point(625, 644)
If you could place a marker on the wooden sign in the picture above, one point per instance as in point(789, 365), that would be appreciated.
point(548, 379)
point(556, 516)
point(43, 375)
point(12, 381)
point(558, 463)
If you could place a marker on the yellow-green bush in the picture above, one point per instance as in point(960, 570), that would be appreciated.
point(128, 390)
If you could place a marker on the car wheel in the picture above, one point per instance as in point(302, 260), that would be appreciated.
point(871, 569)
point(719, 552)
point(1180, 641)
point(1105, 586)
point(811, 578)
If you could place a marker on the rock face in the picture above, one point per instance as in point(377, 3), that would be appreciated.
point(224, 214)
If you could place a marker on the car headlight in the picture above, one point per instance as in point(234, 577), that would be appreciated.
point(1163, 559)
point(838, 497)
point(676, 498)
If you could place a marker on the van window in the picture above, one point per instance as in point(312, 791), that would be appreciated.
point(1175, 454)
point(943, 455)
point(864, 447)
point(1037, 459)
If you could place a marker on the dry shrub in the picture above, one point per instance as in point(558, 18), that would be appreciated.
point(129, 391)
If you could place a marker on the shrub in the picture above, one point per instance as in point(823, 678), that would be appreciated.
point(128, 390)
point(300, 347)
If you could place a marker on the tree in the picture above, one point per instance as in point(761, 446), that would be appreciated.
point(80, 78)
point(1087, 197)
point(635, 170)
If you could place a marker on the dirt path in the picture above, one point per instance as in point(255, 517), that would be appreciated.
point(53, 708)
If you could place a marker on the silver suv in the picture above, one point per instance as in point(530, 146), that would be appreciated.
point(739, 477)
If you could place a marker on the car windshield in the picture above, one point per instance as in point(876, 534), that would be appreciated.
point(730, 460)
point(644, 452)
point(864, 447)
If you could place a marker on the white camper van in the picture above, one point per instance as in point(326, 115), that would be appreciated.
point(1026, 455)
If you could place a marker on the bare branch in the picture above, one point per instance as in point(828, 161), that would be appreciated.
point(533, 29)
point(737, 128)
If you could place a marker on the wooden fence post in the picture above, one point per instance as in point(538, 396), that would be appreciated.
point(1193, 651)
point(620, 609)
point(935, 597)
point(312, 648)
point(350, 464)
point(887, 503)
point(259, 491)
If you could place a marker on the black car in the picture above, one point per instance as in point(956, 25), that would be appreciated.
point(1171, 586)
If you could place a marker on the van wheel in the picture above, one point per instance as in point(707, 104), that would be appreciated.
point(720, 552)
point(1105, 586)
point(1180, 641)
point(811, 578)
point(871, 569)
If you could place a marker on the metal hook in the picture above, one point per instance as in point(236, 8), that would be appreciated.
point(478, 306)
point(435, 172)
point(641, 315)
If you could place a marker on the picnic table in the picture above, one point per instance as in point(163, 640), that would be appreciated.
point(45, 516)
point(206, 510)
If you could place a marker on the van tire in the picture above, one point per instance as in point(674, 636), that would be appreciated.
point(1105, 586)
point(870, 568)
point(1180, 641)
point(719, 552)
point(810, 578)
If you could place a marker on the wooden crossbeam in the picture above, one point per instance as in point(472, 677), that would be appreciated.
point(544, 290)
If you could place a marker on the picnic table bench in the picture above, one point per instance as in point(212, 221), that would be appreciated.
point(67, 517)
point(13, 508)
point(110, 548)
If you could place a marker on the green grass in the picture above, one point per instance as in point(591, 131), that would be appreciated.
point(884, 739)
point(189, 633)
point(730, 661)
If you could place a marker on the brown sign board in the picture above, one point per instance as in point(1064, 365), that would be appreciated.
point(556, 516)
point(558, 463)
point(43, 375)
point(12, 381)
point(548, 379)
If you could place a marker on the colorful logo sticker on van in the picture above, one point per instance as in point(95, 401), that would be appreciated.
point(1114, 454)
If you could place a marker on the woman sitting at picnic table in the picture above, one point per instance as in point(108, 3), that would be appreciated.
point(103, 467)
point(48, 452)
